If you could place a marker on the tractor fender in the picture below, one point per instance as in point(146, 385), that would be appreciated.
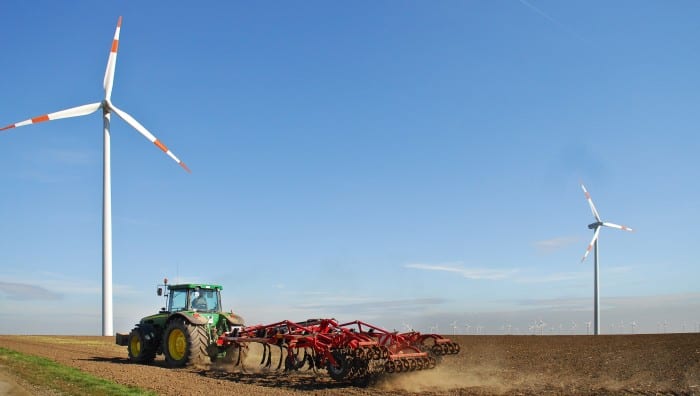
point(233, 319)
point(195, 320)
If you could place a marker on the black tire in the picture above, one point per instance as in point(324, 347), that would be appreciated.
point(141, 346)
point(341, 371)
point(184, 344)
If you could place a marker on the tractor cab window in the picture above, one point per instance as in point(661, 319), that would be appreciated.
point(178, 300)
point(205, 300)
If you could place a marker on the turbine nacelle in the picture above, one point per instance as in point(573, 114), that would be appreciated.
point(595, 225)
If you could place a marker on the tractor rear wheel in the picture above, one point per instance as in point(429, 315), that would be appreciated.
point(184, 344)
point(141, 346)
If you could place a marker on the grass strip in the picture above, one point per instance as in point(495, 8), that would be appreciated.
point(47, 374)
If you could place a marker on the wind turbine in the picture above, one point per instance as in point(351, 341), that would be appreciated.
point(594, 243)
point(107, 108)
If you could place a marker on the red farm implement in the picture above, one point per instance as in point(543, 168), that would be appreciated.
point(349, 351)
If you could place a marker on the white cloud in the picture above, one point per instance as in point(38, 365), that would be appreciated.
point(554, 244)
point(469, 273)
point(59, 284)
point(556, 277)
point(25, 291)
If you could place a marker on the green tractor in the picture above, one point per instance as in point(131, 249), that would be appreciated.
point(186, 330)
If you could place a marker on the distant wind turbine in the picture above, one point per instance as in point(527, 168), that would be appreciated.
point(454, 327)
point(594, 243)
point(107, 108)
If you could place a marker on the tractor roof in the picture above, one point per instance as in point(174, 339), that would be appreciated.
point(195, 286)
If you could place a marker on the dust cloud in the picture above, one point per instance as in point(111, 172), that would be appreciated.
point(445, 378)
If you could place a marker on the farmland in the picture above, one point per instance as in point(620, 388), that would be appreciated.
point(510, 365)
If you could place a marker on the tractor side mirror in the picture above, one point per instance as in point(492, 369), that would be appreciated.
point(160, 291)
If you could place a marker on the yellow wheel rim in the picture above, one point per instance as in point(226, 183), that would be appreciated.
point(135, 346)
point(177, 344)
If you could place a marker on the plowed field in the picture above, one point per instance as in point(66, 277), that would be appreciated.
point(511, 365)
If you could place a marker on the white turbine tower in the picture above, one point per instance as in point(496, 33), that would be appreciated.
point(454, 327)
point(107, 108)
point(594, 243)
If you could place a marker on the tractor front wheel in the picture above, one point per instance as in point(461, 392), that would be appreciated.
point(184, 344)
point(141, 346)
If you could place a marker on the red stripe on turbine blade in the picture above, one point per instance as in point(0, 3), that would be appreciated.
point(160, 145)
point(588, 196)
point(42, 118)
point(119, 22)
point(115, 45)
point(182, 164)
point(7, 127)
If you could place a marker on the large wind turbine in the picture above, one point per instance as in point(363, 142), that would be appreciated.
point(107, 108)
point(594, 243)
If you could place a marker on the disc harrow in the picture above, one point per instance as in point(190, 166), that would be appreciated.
point(352, 351)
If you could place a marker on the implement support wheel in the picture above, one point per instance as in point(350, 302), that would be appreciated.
point(340, 371)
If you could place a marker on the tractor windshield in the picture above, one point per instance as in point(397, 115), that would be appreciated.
point(205, 300)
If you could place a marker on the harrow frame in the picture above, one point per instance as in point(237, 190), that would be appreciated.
point(353, 350)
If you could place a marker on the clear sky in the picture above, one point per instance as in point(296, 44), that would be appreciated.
point(401, 162)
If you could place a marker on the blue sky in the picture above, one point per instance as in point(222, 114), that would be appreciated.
point(405, 163)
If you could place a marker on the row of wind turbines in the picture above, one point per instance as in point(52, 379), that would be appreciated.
point(108, 107)
point(540, 327)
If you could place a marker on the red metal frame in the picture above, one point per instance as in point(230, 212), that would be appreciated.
point(351, 350)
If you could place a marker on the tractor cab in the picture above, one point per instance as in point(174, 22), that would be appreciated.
point(191, 297)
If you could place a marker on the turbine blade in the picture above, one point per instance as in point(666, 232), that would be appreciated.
point(590, 202)
point(619, 227)
point(112, 62)
point(148, 135)
point(590, 246)
point(72, 112)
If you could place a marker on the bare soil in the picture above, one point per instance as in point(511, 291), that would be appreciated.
point(509, 365)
